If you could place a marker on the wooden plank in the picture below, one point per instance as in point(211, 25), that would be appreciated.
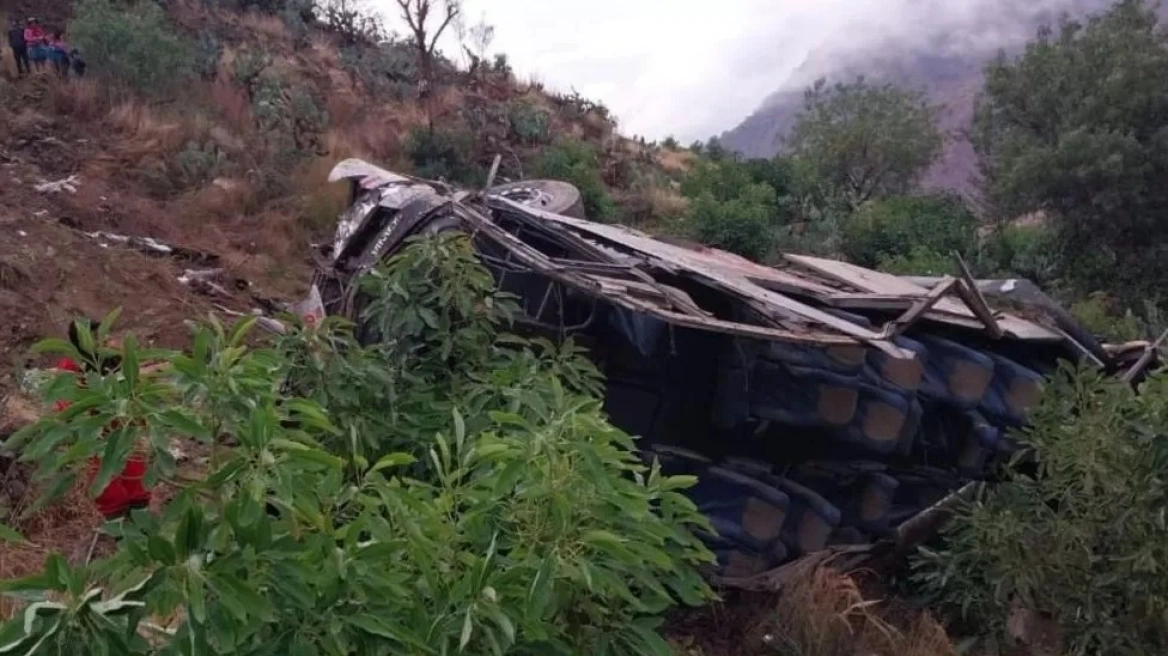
point(788, 312)
point(535, 260)
point(886, 286)
point(901, 323)
point(875, 282)
point(974, 299)
point(1145, 359)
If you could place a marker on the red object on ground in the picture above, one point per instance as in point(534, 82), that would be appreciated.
point(126, 491)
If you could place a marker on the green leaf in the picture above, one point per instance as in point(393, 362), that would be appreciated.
point(467, 630)
point(539, 594)
point(8, 534)
point(381, 627)
point(393, 460)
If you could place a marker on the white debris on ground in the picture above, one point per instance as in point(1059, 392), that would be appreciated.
point(69, 184)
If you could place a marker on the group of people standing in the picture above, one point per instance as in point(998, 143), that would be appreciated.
point(33, 47)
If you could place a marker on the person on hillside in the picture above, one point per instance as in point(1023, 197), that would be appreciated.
point(126, 491)
point(19, 48)
point(77, 62)
point(58, 53)
point(34, 39)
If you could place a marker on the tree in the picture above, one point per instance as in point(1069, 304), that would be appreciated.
point(352, 20)
point(427, 20)
point(865, 140)
point(476, 41)
point(1074, 127)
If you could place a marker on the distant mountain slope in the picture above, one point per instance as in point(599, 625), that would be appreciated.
point(940, 51)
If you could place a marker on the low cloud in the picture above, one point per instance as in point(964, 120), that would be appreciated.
point(694, 68)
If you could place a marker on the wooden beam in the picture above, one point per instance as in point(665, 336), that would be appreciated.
point(972, 296)
point(910, 316)
point(1145, 359)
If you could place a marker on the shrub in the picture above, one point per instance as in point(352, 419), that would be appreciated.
point(744, 225)
point(1075, 534)
point(899, 226)
point(387, 68)
point(480, 508)
point(1019, 250)
point(208, 52)
point(670, 143)
point(133, 44)
point(920, 261)
point(351, 21)
point(1103, 316)
point(578, 163)
point(445, 154)
point(529, 124)
point(198, 163)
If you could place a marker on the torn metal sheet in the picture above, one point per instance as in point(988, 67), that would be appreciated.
point(793, 315)
point(946, 310)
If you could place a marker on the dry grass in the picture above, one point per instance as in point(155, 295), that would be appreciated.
point(268, 25)
point(67, 528)
point(676, 161)
point(144, 132)
point(232, 103)
point(826, 614)
point(80, 99)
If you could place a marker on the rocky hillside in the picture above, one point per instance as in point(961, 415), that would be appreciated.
point(229, 166)
point(940, 47)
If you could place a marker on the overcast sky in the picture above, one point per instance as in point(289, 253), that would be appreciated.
point(693, 68)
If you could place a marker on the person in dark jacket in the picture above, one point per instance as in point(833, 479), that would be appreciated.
point(19, 47)
point(78, 62)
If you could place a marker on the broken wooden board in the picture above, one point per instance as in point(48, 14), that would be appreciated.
point(946, 310)
point(793, 315)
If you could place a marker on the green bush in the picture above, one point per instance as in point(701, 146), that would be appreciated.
point(1076, 533)
point(920, 261)
point(482, 508)
point(578, 163)
point(208, 52)
point(529, 124)
point(198, 163)
point(901, 225)
point(745, 225)
point(446, 154)
point(132, 43)
point(389, 68)
point(1023, 251)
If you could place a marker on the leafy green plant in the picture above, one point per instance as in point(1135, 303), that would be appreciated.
point(446, 488)
point(745, 225)
point(864, 140)
point(578, 163)
point(132, 43)
point(444, 153)
point(1076, 533)
point(907, 226)
point(1095, 168)
point(389, 68)
point(529, 124)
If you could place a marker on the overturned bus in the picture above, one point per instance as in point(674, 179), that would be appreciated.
point(821, 405)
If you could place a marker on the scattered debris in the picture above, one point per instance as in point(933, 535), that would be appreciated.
point(69, 184)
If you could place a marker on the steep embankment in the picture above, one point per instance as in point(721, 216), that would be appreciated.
point(232, 164)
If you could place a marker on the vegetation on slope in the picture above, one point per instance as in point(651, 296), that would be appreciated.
point(231, 142)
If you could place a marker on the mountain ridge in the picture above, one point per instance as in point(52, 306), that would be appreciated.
point(946, 63)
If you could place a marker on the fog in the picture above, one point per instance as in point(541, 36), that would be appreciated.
point(693, 68)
